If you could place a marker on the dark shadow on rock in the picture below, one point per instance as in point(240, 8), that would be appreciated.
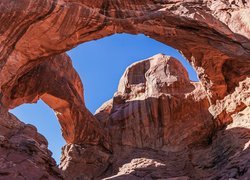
point(227, 157)
point(167, 123)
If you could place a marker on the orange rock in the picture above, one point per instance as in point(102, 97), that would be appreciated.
point(63, 92)
point(156, 107)
point(174, 118)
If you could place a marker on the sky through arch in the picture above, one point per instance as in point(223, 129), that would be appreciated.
point(100, 65)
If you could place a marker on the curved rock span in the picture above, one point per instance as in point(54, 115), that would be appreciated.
point(158, 124)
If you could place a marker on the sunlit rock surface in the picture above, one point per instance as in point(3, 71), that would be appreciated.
point(156, 106)
point(206, 133)
point(62, 90)
point(161, 127)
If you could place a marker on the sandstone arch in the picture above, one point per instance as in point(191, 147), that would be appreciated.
point(212, 35)
point(63, 92)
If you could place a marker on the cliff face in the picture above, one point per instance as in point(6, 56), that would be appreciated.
point(156, 106)
point(24, 152)
point(181, 128)
point(160, 127)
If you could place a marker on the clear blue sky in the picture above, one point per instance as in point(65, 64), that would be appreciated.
point(100, 65)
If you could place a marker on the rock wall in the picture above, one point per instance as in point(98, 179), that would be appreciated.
point(212, 35)
point(204, 31)
point(24, 152)
point(160, 128)
point(62, 90)
point(156, 106)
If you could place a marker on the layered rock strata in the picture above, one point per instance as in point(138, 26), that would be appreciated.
point(212, 35)
point(156, 106)
point(63, 92)
point(160, 127)
point(24, 152)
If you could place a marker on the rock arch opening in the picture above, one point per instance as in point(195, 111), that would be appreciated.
point(213, 35)
point(100, 65)
point(44, 119)
point(102, 62)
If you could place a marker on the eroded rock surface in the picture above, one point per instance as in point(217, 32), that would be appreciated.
point(63, 92)
point(24, 152)
point(156, 106)
point(212, 35)
point(161, 127)
point(80, 161)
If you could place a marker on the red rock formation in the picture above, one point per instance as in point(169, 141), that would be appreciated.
point(213, 36)
point(156, 106)
point(81, 161)
point(212, 29)
point(63, 92)
point(21, 146)
point(24, 153)
point(160, 127)
point(200, 33)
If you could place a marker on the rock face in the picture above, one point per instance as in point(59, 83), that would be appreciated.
point(213, 35)
point(182, 129)
point(63, 93)
point(80, 161)
point(157, 107)
point(24, 153)
point(161, 127)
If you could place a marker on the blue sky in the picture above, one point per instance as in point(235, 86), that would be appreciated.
point(100, 65)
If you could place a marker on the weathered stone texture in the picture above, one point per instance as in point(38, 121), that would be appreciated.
point(165, 125)
point(24, 152)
